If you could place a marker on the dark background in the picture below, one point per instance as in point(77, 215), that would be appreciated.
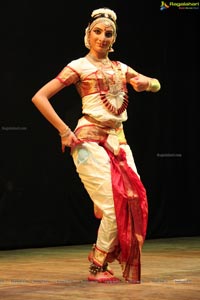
point(42, 201)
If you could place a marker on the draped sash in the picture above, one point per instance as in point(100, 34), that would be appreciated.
point(131, 209)
point(130, 200)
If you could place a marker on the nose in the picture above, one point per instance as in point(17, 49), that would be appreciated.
point(102, 36)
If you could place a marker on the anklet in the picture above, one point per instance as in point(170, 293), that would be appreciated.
point(94, 269)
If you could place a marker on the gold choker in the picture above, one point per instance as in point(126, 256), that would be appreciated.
point(103, 61)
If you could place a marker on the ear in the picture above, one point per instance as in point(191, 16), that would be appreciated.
point(114, 38)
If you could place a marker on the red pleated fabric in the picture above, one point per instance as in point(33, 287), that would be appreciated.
point(131, 209)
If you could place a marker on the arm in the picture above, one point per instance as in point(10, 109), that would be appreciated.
point(41, 101)
point(142, 83)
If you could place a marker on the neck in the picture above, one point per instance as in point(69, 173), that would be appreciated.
point(103, 60)
point(98, 55)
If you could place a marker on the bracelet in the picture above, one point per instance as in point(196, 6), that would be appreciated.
point(154, 85)
point(65, 133)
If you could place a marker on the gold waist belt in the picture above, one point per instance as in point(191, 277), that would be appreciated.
point(108, 123)
point(96, 132)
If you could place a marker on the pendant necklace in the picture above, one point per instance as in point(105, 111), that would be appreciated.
point(114, 82)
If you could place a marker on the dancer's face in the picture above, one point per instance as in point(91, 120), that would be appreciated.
point(101, 38)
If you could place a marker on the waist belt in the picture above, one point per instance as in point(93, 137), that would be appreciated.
point(108, 123)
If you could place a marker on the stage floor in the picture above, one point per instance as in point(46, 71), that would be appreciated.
point(170, 271)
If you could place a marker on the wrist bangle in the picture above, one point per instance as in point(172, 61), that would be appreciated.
point(154, 85)
point(65, 133)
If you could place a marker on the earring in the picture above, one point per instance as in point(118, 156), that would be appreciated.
point(110, 49)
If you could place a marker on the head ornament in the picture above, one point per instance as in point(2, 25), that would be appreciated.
point(101, 15)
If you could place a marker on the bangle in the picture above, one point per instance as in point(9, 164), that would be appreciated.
point(65, 133)
point(154, 85)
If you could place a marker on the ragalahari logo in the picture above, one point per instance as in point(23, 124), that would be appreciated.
point(163, 5)
point(179, 5)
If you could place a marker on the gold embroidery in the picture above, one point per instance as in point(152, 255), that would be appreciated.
point(68, 76)
point(96, 133)
point(99, 256)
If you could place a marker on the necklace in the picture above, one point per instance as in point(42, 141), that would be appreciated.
point(115, 111)
point(103, 61)
point(113, 80)
point(115, 87)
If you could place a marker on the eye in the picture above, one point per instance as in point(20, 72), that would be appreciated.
point(109, 34)
point(97, 31)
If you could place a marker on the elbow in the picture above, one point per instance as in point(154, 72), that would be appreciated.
point(33, 99)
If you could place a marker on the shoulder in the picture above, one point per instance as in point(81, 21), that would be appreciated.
point(71, 72)
point(126, 69)
point(77, 63)
point(120, 64)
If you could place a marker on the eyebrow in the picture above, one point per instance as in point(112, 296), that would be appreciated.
point(108, 30)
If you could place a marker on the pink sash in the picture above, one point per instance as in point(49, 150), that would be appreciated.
point(131, 209)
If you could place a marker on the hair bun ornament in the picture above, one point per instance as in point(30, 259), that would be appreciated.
point(107, 12)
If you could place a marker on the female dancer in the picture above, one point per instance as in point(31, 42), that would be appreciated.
point(102, 157)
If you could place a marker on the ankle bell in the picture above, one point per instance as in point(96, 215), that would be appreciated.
point(94, 269)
